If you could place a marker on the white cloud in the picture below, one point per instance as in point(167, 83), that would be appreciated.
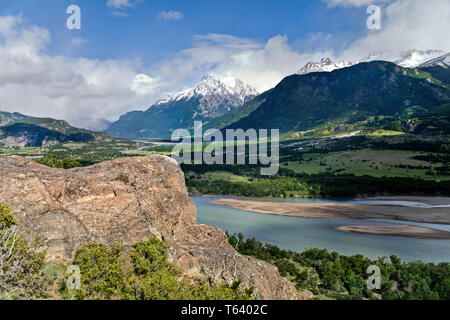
point(262, 65)
point(118, 4)
point(78, 42)
point(171, 15)
point(79, 90)
point(407, 24)
point(120, 7)
point(355, 3)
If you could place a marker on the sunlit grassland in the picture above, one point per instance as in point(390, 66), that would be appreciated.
point(389, 163)
point(380, 133)
point(225, 176)
point(21, 151)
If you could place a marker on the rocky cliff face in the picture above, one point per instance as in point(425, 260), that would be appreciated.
point(130, 199)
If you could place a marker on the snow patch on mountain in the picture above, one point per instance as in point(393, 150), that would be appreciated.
point(414, 58)
point(325, 65)
point(442, 61)
point(230, 86)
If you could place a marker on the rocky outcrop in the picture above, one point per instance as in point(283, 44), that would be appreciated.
point(130, 199)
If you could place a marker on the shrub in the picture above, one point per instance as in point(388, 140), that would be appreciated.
point(55, 161)
point(6, 218)
point(102, 272)
point(21, 261)
point(143, 273)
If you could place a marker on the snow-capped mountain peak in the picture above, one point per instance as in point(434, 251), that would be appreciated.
point(210, 85)
point(442, 61)
point(413, 58)
point(239, 87)
point(325, 65)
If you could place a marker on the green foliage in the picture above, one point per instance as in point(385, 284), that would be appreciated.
point(238, 114)
point(336, 177)
point(288, 183)
point(341, 277)
point(21, 262)
point(6, 218)
point(107, 272)
point(142, 273)
point(102, 271)
point(54, 161)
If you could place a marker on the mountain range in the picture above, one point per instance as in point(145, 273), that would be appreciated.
point(320, 93)
point(346, 96)
point(209, 99)
point(324, 93)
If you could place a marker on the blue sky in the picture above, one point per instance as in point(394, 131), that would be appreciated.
point(130, 53)
point(141, 34)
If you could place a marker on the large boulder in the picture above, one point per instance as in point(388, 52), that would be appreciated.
point(130, 199)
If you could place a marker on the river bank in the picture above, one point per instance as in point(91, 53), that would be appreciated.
point(399, 231)
point(410, 209)
point(298, 234)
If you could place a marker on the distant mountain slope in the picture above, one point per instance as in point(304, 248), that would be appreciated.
point(30, 135)
point(414, 58)
point(439, 68)
point(38, 132)
point(209, 99)
point(7, 117)
point(302, 102)
point(236, 115)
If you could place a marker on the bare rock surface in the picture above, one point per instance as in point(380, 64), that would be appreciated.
point(130, 199)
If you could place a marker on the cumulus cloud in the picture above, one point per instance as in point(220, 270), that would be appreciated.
point(79, 90)
point(171, 15)
point(78, 42)
point(407, 24)
point(262, 65)
point(120, 6)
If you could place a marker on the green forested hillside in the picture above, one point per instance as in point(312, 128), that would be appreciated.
point(38, 132)
point(330, 275)
point(236, 115)
point(346, 96)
